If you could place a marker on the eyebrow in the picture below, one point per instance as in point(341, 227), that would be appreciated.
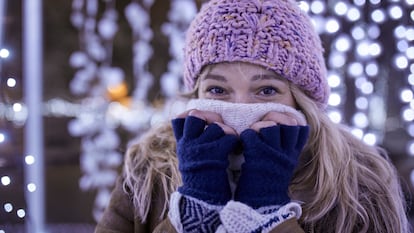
point(267, 77)
point(257, 77)
point(215, 77)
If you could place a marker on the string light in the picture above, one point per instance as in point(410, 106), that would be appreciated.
point(395, 12)
point(353, 14)
point(370, 139)
point(29, 159)
point(340, 8)
point(334, 99)
point(4, 53)
point(317, 7)
point(355, 54)
point(8, 207)
point(359, 133)
point(31, 187)
point(5, 180)
point(332, 25)
point(378, 16)
point(372, 69)
point(11, 82)
point(9, 113)
point(21, 213)
point(2, 137)
point(335, 116)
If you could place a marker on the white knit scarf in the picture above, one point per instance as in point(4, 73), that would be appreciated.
point(241, 116)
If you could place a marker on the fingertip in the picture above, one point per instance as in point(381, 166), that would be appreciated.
point(183, 114)
point(196, 113)
point(248, 135)
point(262, 124)
point(227, 129)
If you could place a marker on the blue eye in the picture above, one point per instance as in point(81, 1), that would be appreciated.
point(268, 91)
point(215, 90)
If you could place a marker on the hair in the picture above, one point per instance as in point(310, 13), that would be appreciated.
point(151, 162)
point(344, 185)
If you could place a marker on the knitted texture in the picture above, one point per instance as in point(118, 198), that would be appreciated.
point(270, 159)
point(241, 116)
point(275, 34)
point(237, 217)
point(202, 153)
point(174, 212)
point(198, 217)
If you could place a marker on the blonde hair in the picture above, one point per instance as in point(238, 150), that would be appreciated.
point(345, 185)
point(149, 163)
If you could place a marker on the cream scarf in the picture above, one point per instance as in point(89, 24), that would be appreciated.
point(241, 116)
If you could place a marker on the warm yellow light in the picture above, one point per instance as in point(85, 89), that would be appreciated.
point(118, 92)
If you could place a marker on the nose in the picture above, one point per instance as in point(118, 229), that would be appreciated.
point(242, 98)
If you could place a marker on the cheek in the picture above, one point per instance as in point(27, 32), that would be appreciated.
point(290, 101)
point(199, 93)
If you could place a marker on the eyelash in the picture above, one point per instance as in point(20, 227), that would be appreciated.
point(266, 88)
point(210, 90)
point(216, 90)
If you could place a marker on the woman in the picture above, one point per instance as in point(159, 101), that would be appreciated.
point(255, 151)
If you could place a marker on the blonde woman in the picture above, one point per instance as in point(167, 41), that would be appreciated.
point(255, 150)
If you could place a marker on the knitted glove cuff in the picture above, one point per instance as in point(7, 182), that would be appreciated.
point(188, 214)
point(237, 217)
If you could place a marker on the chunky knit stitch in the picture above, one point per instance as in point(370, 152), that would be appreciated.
point(275, 34)
point(237, 217)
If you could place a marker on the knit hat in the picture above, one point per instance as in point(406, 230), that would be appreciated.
point(275, 34)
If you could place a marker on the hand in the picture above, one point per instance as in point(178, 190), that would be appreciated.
point(277, 118)
point(271, 151)
point(202, 150)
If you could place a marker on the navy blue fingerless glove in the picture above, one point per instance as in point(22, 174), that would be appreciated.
point(203, 159)
point(270, 159)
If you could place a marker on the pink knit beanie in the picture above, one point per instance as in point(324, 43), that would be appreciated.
point(275, 34)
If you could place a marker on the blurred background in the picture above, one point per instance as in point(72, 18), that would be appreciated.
point(110, 69)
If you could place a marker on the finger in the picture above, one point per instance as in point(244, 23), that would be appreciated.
point(178, 127)
point(300, 120)
point(212, 117)
point(227, 129)
point(262, 124)
point(281, 118)
point(249, 138)
point(184, 114)
point(271, 135)
point(214, 132)
point(193, 127)
point(209, 117)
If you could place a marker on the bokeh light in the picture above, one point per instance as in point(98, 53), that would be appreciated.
point(4, 53)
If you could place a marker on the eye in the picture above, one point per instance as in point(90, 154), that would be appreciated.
point(268, 91)
point(215, 90)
